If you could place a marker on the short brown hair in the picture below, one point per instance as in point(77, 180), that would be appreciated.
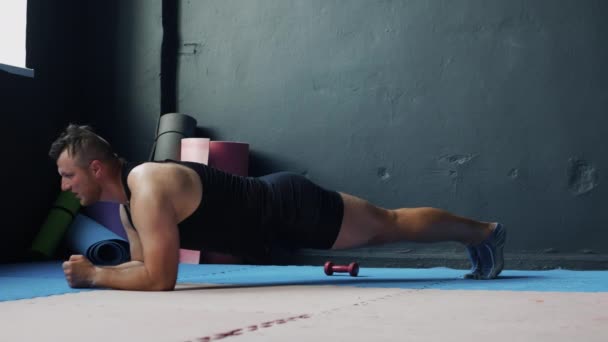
point(83, 144)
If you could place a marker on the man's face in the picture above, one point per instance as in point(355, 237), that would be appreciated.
point(77, 179)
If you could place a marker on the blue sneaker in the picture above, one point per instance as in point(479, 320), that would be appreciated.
point(490, 253)
point(475, 272)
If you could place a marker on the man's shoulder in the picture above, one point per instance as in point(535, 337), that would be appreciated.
point(156, 174)
point(148, 168)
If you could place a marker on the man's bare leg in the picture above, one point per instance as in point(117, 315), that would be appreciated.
point(365, 224)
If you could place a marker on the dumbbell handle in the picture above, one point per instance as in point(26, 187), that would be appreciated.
point(340, 268)
point(352, 268)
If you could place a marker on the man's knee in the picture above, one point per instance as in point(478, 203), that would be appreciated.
point(384, 229)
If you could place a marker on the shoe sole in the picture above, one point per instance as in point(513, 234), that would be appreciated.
point(499, 256)
point(475, 271)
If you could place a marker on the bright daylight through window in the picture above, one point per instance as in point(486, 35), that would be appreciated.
point(13, 23)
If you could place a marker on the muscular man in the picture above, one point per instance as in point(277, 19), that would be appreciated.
point(170, 204)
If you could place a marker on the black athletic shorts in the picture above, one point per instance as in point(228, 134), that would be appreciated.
point(303, 214)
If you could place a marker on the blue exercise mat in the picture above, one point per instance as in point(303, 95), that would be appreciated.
point(30, 280)
point(100, 245)
point(404, 278)
point(19, 281)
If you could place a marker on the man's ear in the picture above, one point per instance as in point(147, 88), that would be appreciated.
point(96, 167)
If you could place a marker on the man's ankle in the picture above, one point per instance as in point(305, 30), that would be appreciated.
point(484, 233)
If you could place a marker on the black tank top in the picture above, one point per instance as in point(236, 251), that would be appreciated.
point(233, 215)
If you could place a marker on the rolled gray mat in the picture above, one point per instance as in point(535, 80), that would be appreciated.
point(171, 129)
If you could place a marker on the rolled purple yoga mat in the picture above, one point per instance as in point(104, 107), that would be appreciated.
point(230, 156)
point(108, 215)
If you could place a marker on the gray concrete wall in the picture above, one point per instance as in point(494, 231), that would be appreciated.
point(122, 82)
point(490, 109)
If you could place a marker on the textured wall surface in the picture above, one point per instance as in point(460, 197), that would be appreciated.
point(122, 84)
point(490, 109)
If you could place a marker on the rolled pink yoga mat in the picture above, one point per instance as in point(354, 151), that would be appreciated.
point(229, 156)
point(195, 150)
point(189, 256)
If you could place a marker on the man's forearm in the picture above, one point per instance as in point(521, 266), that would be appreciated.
point(130, 276)
point(124, 265)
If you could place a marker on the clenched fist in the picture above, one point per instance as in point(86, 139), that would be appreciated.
point(79, 271)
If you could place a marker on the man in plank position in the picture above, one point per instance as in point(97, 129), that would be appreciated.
point(168, 205)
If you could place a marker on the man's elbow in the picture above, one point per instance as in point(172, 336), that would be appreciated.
point(163, 285)
point(163, 288)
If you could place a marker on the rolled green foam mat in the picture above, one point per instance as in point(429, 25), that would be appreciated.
point(56, 224)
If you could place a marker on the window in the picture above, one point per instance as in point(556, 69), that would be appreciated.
point(13, 21)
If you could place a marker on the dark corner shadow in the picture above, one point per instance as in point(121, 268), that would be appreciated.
point(261, 163)
point(204, 132)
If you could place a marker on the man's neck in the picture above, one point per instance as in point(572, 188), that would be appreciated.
point(114, 190)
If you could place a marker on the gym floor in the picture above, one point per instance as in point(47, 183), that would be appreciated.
point(302, 303)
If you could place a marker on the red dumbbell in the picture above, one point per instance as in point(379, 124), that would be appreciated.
point(352, 268)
